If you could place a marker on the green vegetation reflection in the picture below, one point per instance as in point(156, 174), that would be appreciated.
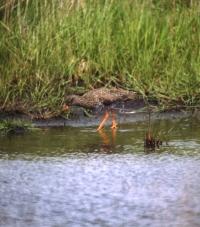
point(178, 136)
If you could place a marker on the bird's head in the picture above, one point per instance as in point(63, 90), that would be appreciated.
point(72, 99)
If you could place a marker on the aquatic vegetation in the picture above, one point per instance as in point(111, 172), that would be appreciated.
point(52, 48)
point(8, 127)
point(150, 142)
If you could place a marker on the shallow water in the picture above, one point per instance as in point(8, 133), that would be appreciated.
point(78, 177)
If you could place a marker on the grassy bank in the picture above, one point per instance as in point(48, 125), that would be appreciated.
point(50, 48)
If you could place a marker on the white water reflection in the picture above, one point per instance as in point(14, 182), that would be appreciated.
point(104, 190)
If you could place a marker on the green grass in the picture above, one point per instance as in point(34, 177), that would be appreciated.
point(50, 48)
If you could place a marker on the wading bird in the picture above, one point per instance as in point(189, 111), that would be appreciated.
point(103, 99)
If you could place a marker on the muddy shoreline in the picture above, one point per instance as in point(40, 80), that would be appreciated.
point(122, 119)
point(80, 119)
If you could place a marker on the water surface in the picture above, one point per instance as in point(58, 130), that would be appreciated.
point(78, 177)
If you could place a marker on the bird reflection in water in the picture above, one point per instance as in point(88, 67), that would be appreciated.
point(108, 142)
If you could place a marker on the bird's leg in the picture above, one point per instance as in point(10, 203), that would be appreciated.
point(114, 122)
point(105, 118)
